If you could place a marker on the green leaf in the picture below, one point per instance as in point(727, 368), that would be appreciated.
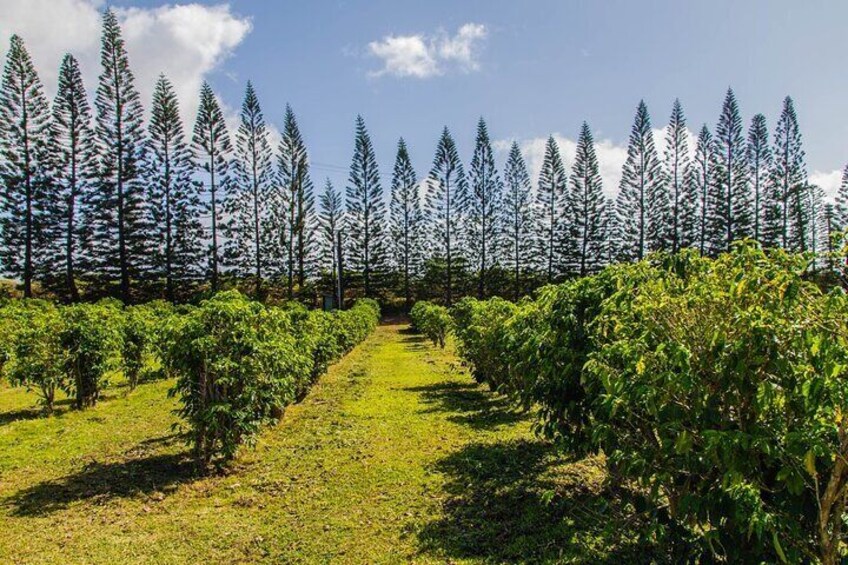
point(810, 463)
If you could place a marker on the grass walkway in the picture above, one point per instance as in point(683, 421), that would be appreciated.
point(395, 456)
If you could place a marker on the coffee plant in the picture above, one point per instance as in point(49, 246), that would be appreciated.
point(91, 338)
point(31, 336)
point(239, 364)
point(717, 387)
point(432, 320)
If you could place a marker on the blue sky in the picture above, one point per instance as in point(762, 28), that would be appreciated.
point(531, 68)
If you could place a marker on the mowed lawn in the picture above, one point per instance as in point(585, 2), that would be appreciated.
point(395, 456)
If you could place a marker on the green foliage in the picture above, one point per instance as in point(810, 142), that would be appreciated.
point(139, 325)
point(716, 385)
point(356, 323)
point(721, 387)
point(46, 347)
point(432, 320)
point(480, 328)
point(31, 340)
point(239, 364)
point(91, 338)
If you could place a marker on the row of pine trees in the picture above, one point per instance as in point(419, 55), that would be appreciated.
point(94, 202)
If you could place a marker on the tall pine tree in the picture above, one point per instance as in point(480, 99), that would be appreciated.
point(366, 213)
point(701, 179)
point(819, 231)
point(75, 162)
point(519, 219)
point(682, 207)
point(732, 218)
point(212, 151)
point(173, 196)
point(446, 204)
point(549, 207)
point(484, 209)
point(27, 201)
point(407, 221)
point(119, 228)
point(759, 164)
point(786, 216)
point(642, 203)
point(248, 206)
point(297, 200)
point(585, 243)
point(840, 212)
point(612, 233)
point(330, 221)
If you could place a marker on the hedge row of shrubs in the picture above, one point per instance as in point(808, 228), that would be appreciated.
point(237, 362)
point(46, 347)
point(432, 320)
point(717, 388)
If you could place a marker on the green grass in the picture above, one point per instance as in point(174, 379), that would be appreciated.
point(395, 456)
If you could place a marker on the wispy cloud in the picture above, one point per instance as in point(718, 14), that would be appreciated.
point(424, 56)
point(828, 180)
point(611, 156)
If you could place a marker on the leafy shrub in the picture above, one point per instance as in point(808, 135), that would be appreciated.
point(233, 369)
point(35, 348)
point(723, 392)
point(239, 363)
point(91, 338)
point(717, 385)
point(138, 328)
point(480, 328)
point(431, 320)
point(356, 323)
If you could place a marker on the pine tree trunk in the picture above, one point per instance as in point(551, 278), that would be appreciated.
point(119, 185)
point(448, 221)
point(406, 293)
point(301, 242)
point(169, 275)
point(28, 270)
point(255, 187)
point(340, 267)
point(69, 240)
point(214, 204)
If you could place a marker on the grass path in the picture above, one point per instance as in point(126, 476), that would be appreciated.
point(395, 456)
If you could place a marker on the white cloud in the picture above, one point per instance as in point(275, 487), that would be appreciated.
point(659, 141)
point(50, 28)
point(405, 56)
point(829, 181)
point(462, 47)
point(423, 56)
point(185, 41)
point(611, 156)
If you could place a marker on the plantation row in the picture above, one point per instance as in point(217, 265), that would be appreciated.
point(716, 389)
point(237, 363)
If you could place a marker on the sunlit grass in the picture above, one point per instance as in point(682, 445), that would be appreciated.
point(395, 456)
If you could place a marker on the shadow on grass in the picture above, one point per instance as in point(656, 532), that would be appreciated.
point(22, 414)
point(36, 412)
point(518, 501)
point(471, 405)
point(414, 341)
point(105, 481)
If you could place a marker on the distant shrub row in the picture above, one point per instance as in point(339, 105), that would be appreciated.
point(432, 320)
point(237, 362)
point(719, 387)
